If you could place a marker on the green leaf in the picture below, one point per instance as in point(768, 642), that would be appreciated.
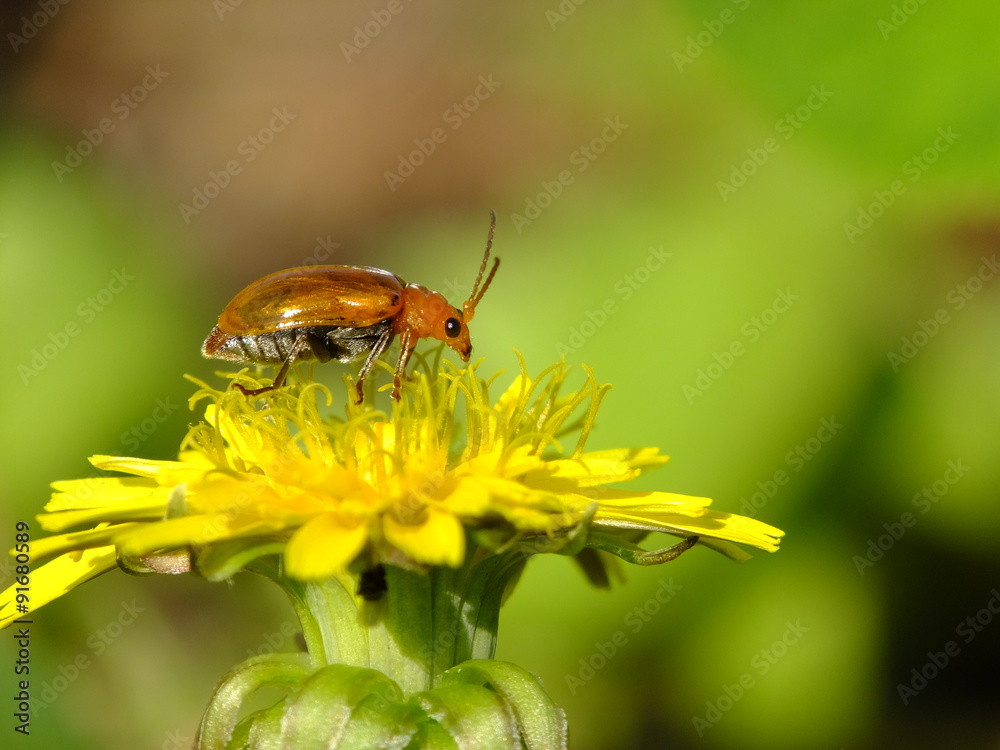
point(322, 713)
point(542, 724)
point(220, 719)
point(475, 717)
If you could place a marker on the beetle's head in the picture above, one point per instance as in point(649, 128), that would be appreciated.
point(430, 314)
point(456, 335)
point(448, 324)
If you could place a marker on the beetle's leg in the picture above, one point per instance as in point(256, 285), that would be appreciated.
point(301, 343)
point(407, 343)
point(381, 344)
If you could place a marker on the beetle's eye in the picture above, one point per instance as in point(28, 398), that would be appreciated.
point(452, 327)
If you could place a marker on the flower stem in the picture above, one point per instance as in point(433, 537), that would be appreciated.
point(425, 623)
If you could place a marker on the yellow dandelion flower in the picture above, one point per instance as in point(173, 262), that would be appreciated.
point(265, 475)
point(396, 537)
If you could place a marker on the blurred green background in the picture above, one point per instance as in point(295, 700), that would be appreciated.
point(772, 226)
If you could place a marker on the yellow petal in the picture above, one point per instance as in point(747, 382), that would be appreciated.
point(512, 397)
point(196, 460)
point(438, 540)
point(709, 523)
point(164, 472)
point(312, 476)
point(524, 507)
point(518, 462)
point(62, 543)
point(600, 467)
point(218, 493)
point(136, 510)
point(176, 533)
point(639, 458)
point(469, 498)
point(324, 546)
point(55, 578)
point(651, 502)
point(254, 437)
point(76, 494)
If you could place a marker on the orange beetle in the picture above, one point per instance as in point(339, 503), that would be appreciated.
point(343, 313)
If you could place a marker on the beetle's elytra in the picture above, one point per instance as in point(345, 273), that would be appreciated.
point(343, 313)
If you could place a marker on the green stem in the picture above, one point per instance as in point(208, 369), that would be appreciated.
point(424, 624)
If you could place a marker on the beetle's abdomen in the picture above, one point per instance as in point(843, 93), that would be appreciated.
point(264, 348)
point(321, 343)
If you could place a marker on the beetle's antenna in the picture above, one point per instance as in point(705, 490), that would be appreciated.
point(469, 308)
